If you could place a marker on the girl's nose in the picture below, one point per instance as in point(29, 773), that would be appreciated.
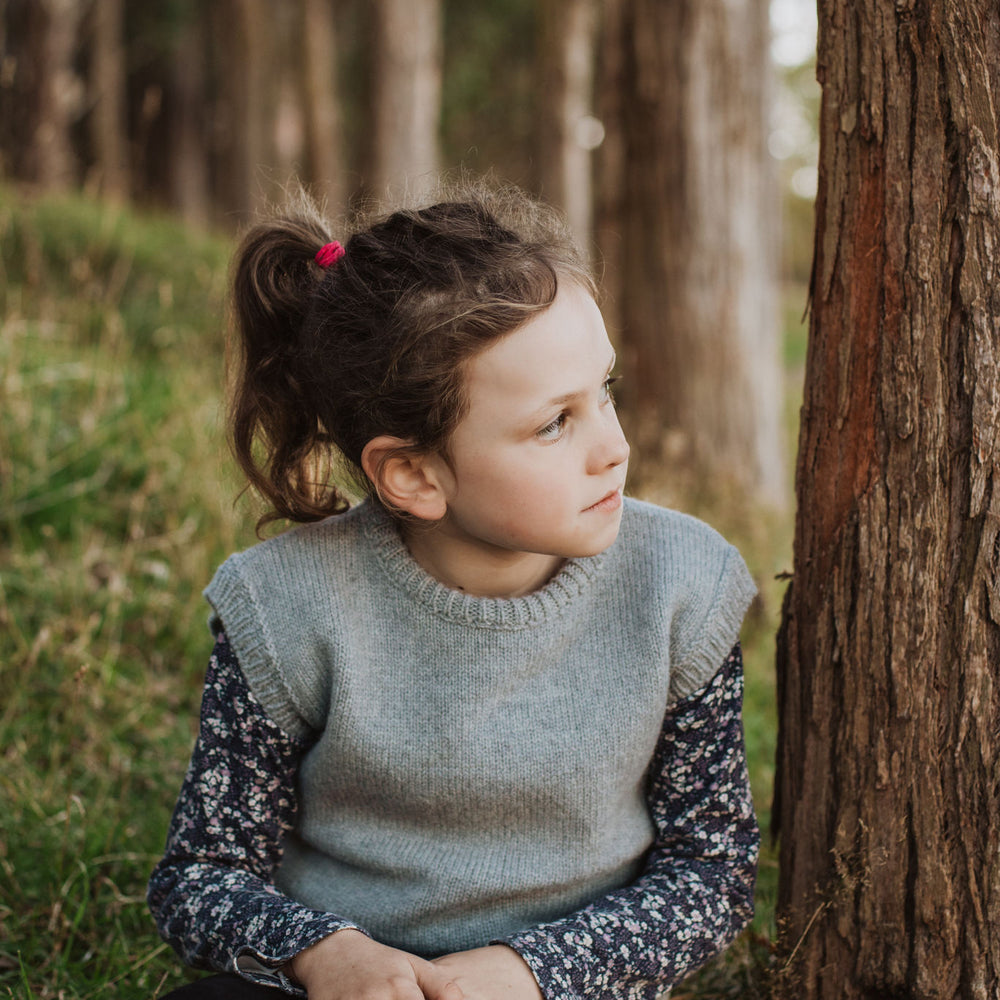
point(611, 449)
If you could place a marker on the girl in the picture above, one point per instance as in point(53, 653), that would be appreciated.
point(479, 735)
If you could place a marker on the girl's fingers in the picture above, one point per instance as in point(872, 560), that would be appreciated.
point(436, 983)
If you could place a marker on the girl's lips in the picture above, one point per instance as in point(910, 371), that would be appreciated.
point(612, 501)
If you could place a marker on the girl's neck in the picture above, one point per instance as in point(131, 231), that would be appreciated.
point(496, 573)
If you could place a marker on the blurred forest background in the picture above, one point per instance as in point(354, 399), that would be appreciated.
point(135, 139)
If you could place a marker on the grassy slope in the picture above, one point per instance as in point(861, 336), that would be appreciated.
point(115, 506)
point(111, 514)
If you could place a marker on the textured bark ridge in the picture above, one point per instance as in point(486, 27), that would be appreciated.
point(889, 654)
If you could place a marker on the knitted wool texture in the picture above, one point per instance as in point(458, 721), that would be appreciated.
point(479, 764)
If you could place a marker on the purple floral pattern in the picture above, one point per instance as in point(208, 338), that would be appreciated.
point(214, 900)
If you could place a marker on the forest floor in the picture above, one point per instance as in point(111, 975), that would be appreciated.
point(116, 504)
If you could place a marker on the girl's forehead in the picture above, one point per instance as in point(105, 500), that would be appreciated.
point(563, 350)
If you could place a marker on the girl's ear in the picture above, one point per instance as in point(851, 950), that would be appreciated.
point(405, 479)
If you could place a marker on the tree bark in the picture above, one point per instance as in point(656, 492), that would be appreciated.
point(53, 91)
point(192, 143)
point(406, 98)
point(107, 97)
point(887, 797)
point(320, 104)
point(697, 275)
point(242, 36)
point(609, 187)
point(565, 82)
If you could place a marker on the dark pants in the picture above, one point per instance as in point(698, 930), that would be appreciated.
point(227, 987)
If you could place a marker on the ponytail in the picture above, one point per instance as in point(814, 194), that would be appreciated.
point(274, 429)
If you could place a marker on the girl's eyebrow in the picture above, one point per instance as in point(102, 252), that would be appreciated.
point(568, 397)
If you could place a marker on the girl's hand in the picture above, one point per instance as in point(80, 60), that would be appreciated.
point(493, 973)
point(349, 965)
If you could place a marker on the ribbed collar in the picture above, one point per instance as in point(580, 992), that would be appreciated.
point(539, 606)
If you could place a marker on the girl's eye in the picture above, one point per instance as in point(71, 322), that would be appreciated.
point(553, 431)
point(606, 394)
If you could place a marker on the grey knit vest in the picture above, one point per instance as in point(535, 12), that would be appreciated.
point(477, 765)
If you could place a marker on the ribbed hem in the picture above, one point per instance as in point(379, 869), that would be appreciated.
point(482, 612)
point(267, 968)
point(734, 591)
point(248, 637)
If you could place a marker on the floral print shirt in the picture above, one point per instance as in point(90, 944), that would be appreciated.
point(213, 897)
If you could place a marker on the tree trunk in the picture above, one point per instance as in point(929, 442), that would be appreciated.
point(320, 105)
point(609, 188)
point(241, 36)
point(888, 657)
point(191, 142)
point(697, 276)
point(107, 97)
point(406, 97)
point(565, 82)
point(53, 91)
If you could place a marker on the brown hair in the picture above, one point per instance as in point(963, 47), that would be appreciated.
point(326, 360)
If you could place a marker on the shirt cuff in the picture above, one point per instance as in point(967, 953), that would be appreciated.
point(268, 969)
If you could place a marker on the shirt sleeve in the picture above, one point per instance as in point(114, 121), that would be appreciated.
point(212, 895)
point(696, 891)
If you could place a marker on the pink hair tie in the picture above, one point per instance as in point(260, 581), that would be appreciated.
point(329, 254)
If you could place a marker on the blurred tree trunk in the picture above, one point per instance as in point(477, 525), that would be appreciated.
point(889, 655)
point(565, 84)
point(696, 297)
point(192, 142)
point(242, 30)
point(107, 97)
point(609, 186)
point(52, 90)
point(406, 97)
point(14, 118)
point(320, 104)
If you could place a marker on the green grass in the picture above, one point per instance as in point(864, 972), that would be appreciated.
point(116, 504)
point(112, 511)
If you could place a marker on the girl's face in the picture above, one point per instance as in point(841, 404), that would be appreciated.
point(538, 464)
